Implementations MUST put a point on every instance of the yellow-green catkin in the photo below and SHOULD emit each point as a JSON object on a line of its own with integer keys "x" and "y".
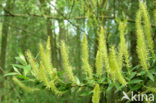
{"x": 151, "y": 89}
{"x": 99, "y": 63}
{"x": 85, "y": 63}
{"x": 147, "y": 26}
{"x": 48, "y": 55}
{"x": 96, "y": 94}
{"x": 31, "y": 60}
{"x": 141, "y": 46}
{"x": 116, "y": 72}
{"x": 54, "y": 88}
{"x": 23, "y": 86}
{"x": 44, "y": 77}
{"x": 123, "y": 51}
{"x": 66, "y": 65}
{"x": 99, "y": 56}
{"x": 104, "y": 49}
{"x": 46, "y": 60}
{"x": 155, "y": 12}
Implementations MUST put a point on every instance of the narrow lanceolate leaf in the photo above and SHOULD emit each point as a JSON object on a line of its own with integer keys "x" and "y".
{"x": 141, "y": 46}
{"x": 23, "y": 86}
{"x": 96, "y": 94}
{"x": 147, "y": 26}
{"x": 86, "y": 67}
{"x": 115, "y": 68}
{"x": 66, "y": 65}
{"x": 33, "y": 64}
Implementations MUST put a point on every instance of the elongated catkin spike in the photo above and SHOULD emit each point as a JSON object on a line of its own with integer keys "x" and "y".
{"x": 141, "y": 46}
{"x": 66, "y": 65}
{"x": 147, "y": 26}
{"x": 96, "y": 94}
{"x": 86, "y": 67}
{"x": 23, "y": 86}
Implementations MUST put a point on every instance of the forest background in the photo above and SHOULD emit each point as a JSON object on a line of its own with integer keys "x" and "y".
{"x": 26, "y": 23}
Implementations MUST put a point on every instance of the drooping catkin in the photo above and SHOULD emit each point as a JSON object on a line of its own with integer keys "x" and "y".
{"x": 147, "y": 26}
{"x": 96, "y": 94}
{"x": 31, "y": 60}
{"x": 141, "y": 46}
{"x": 66, "y": 65}
{"x": 115, "y": 68}
{"x": 23, "y": 86}
{"x": 85, "y": 63}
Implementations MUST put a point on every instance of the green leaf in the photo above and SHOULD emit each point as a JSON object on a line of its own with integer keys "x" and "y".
{"x": 10, "y": 74}
{"x": 86, "y": 93}
{"x": 136, "y": 87}
{"x": 110, "y": 87}
{"x": 132, "y": 75}
{"x": 18, "y": 66}
{"x": 135, "y": 81}
{"x": 27, "y": 69}
{"x": 22, "y": 77}
{"x": 150, "y": 75}
{"x": 77, "y": 80}
{"x": 21, "y": 59}
{"x": 119, "y": 88}
{"x": 16, "y": 70}
{"x": 141, "y": 73}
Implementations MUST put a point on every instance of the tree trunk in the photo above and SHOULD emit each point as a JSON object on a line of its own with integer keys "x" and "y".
{"x": 5, "y": 29}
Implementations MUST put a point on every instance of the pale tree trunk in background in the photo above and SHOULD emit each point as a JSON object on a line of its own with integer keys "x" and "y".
{"x": 62, "y": 37}
{"x": 5, "y": 30}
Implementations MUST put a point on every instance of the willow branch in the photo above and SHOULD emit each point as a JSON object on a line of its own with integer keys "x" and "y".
{"x": 59, "y": 18}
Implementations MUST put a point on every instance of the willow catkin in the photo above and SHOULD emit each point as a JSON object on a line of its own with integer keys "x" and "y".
{"x": 46, "y": 60}
{"x": 141, "y": 46}
{"x": 23, "y": 86}
{"x": 44, "y": 76}
{"x": 151, "y": 89}
{"x": 123, "y": 51}
{"x": 85, "y": 63}
{"x": 116, "y": 72}
{"x": 31, "y": 60}
{"x": 99, "y": 63}
{"x": 66, "y": 65}
{"x": 54, "y": 88}
{"x": 104, "y": 49}
{"x": 147, "y": 26}
{"x": 96, "y": 94}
